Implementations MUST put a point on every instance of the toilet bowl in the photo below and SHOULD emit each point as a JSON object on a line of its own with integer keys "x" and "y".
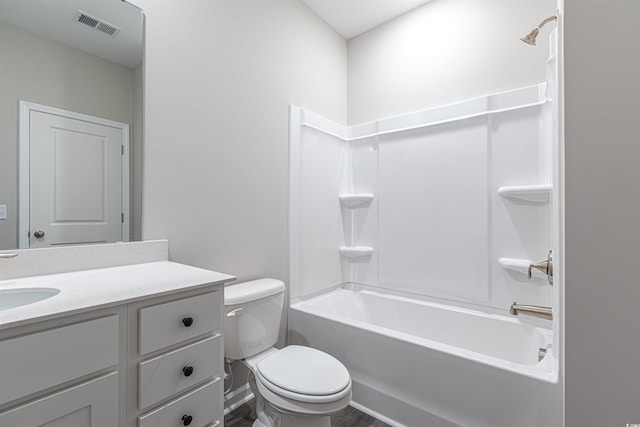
{"x": 295, "y": 386}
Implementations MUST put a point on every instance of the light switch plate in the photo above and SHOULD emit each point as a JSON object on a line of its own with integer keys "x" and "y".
{"x": 3, "y": 211}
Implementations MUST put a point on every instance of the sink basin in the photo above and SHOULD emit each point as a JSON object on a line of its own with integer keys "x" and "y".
{"x": 12, "y": 298}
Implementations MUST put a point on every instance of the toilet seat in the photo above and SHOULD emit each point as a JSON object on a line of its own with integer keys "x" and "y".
{"x": 286, "y": 394}
{"x": 304, "y": 374}
{"x": 299, "y": 407}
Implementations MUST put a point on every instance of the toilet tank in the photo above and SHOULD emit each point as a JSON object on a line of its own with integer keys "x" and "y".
{"x": 252, "y": 313}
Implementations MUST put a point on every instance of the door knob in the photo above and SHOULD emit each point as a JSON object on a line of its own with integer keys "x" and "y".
{"x": 38, "y": 234}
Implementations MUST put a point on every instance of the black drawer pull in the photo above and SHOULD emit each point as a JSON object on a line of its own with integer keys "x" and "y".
{"x": 187, "y": 371}
{"x": 187, "y": 321}
{"x": 186, "y": 420}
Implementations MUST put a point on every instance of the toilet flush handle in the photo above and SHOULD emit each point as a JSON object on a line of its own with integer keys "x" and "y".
{"x": 234, "y": 313}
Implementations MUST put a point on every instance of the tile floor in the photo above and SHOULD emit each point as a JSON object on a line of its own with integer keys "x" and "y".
{"x": 349, "y": 417}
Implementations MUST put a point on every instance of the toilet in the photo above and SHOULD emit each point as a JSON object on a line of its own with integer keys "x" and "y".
{"x": 295, "y": 386}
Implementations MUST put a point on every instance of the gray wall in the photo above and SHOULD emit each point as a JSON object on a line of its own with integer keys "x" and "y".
{"x": 39, "y": 70}
{"x": 217, "y": 91}
{"x": 443, "y": 52}
{"x": 136, "y": 154}
{"x": 602, "y": 74}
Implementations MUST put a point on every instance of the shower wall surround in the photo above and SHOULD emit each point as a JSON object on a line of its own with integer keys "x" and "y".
{"x": 442, "y": 208}
{"x": 451, "y": 203}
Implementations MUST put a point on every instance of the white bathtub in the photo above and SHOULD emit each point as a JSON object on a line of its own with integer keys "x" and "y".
{"x": 422, "y": 364}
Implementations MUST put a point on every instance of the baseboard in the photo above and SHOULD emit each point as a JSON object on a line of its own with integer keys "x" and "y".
{"x": 237, "y": 398}
{"x": 375, "y": 415}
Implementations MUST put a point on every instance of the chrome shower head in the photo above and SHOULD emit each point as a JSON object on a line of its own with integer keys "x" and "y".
{"x": 531, "y": 37}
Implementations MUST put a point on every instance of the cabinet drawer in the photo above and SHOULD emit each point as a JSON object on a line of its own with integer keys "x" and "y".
{"x": 44, "y": 359}
{"x": 203, "y": 405}
{"x": 166, "y": 375}
{"x": 166, "y": 324}
{"x": 93, "y": 403}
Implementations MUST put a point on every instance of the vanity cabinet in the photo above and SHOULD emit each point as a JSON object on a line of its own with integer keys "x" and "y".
{"x": 178, "y": 360}
{"x": 90, "y": 404}
{"x": 63, "y": 373}
{"x": 41, "y": 360}
{"x": 154, "y": 362}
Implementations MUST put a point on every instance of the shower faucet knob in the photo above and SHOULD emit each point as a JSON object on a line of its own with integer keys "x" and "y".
{"x": 545, "y": 266}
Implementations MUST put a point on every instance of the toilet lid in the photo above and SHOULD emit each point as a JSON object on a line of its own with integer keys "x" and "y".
{"x": 305, "y": 370}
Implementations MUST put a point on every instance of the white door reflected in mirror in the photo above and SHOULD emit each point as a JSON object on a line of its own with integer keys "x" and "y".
{"x": 78, "y": 177}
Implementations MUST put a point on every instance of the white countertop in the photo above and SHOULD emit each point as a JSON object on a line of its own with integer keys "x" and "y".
{"x": 87, "y": 290}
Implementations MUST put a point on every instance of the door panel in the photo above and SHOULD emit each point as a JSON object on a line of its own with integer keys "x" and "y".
{"x": 91, "y": 404}
{"x": 79, "y": 418}
{"x": 79, "y": 161}
{"x": 76, "y": 181}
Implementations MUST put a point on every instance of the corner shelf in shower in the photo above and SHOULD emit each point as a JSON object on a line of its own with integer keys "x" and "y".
{"x": 530, "y": 193}
{"x": 355, "y": 253}
{"x": 360, "y": 200}
{"x": 519, "y": 266}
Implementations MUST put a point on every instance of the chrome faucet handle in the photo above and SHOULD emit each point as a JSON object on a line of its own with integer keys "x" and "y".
{"x": 545, "y": 266}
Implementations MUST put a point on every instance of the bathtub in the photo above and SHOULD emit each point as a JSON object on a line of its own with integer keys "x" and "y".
{"x": 422, "y": 364}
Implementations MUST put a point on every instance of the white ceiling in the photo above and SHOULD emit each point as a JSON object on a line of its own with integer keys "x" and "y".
{"x": 53, "y": 19}
{"x": 352, "y": 17}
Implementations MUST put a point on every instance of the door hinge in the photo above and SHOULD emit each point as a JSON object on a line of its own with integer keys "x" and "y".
{"x": 122, "y": 218}
{"x": 122, "y": 150}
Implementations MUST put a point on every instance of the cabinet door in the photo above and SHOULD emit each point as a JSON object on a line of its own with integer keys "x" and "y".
{"x": 78, "y": 349}
{"x": 91, "y": 404}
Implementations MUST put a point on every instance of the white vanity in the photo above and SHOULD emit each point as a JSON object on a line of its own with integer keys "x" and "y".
{"x": 120, "y": 346}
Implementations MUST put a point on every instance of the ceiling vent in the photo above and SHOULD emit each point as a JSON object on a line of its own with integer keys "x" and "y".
{"x": 96, "y": 24}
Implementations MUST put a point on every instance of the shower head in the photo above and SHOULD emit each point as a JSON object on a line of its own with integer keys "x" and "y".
{"x": 531, "y": 37}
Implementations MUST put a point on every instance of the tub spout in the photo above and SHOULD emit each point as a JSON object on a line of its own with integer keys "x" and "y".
{"x": 6, "y": 256}
{"x": 531, "y": 310}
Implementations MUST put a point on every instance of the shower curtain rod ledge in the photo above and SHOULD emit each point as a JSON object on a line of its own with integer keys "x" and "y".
{"x": 436, "y": 123}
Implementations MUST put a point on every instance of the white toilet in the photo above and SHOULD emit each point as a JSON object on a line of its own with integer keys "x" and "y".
{"x": 294, "y": 387}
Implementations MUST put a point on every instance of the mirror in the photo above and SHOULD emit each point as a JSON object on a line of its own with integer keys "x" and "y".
{"x": 78, "y": 56}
